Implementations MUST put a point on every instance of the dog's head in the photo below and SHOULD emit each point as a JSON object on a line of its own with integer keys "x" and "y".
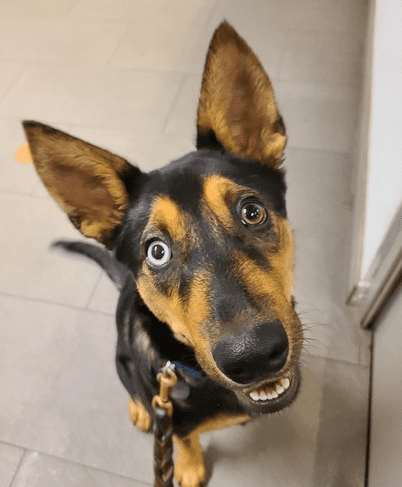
{"x": 206, "y": 237}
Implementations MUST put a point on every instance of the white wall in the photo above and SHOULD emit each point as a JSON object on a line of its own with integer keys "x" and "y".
{"x": 384, "y": 176}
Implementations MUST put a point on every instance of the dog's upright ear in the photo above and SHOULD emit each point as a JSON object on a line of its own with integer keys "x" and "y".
{"x": 86, "y": 181}
{"x": 237, "y": 109}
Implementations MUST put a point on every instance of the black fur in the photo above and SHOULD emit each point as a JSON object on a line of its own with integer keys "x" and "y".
{"x": 195, "y": 399}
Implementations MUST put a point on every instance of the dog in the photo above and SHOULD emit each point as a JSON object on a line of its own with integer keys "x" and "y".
{"x": 202, "y": 252}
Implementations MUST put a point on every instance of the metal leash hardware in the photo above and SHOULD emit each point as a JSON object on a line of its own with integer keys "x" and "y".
{"x": 163, "y": 444}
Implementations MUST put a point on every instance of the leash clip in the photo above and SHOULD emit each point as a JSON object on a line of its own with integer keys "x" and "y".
{"x": 167, "y": 380}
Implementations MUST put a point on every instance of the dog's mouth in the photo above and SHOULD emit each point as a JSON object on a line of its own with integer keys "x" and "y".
{"x": 271, "y": 396}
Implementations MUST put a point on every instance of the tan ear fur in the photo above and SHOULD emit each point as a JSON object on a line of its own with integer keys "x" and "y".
{"x": 237, "y": 102}
{"x": 83, "y": 179}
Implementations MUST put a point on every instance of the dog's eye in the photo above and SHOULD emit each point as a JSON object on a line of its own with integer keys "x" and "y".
{"x": 252, "y": 213}
{"x": 158, "y": 253}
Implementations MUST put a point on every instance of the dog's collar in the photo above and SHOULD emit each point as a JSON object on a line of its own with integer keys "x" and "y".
{"x": 193, "y": 372}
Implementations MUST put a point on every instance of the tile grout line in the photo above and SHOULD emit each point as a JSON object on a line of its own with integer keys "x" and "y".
{"x": 119, "y": 43}
{"x": 67, "y": 15}
{"x": 85, "y": 466}
{"x": 19, "y": 463}
{"x": 92, "y": 293}
{"x": 55, "y": 303}
{"x": 26, "y": 66}
{"x": 341, "y": 361}
{"x": 173, "y": 104}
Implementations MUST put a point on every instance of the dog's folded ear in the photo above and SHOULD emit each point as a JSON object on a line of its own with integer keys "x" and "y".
{"x": 86, "y": 181}
{"x": 237, "y": 108}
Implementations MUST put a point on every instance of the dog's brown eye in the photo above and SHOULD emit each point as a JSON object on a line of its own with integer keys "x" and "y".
{"x": 158, "y": 253}
{"x": 253, "y": 213}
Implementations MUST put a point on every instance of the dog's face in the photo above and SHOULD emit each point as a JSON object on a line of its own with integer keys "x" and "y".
{"x": 206, "y": 237}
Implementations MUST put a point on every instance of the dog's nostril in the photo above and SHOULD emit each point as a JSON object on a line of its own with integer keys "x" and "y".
{"x": 276, "y": 354}
{"x": 253, "y": 354}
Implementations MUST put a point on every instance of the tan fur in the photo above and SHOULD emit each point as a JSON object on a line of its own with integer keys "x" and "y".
{"x": 83, "y": 179}
{"x": 139, "y": 416}
{"x": 184, "y": 320}
{"x": 280, "y": 277}
{"x": 276, "y": 283}
{"x": 237, "y": 101}
{"x": 190, "y": 468}
{"x": 167, "y": 215}
{"x": 214, "y": 188}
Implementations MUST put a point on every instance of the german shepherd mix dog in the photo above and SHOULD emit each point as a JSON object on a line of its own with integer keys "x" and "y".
{"x": 202, "y": 252}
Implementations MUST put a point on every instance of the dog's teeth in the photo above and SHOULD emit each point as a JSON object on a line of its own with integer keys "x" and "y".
{"x": 268, "y": 393}
{"x": 272, "y": 395}
{"x": 254, "y": 396}
{"x": 279, "y": 389}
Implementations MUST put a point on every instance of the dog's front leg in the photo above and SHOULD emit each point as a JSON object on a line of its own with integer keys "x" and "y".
{"x": 190, "y": 468}
{"x": 139, "y": 416}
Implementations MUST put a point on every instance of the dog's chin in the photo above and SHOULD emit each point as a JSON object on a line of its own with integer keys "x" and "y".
{"x": 271, "y": 396}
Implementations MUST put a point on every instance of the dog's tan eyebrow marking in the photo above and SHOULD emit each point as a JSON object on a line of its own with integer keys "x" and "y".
{"x": 166, "y": 214}
{"x": 217, "y": 192}
{"x": 277, "y": 282}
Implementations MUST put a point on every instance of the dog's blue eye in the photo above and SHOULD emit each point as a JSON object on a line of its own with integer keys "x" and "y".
{"x": 158, "y": 253}
{"x": 252, "y": 213}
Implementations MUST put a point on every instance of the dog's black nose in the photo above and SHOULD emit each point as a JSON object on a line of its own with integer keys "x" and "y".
{"x": 254, "y": 354}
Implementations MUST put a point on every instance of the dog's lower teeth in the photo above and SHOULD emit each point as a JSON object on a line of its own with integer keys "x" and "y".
{"x": 268, "y": 393}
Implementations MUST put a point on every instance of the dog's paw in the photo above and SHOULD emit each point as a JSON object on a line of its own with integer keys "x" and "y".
{"x": 191, "y": 475}
{"x": 190, "y": 468}
{"x": 139, "y": 415}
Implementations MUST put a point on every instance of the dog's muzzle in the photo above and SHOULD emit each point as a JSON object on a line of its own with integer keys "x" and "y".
{"x": 254, "y": 354}
{"x": 252, "y": 359}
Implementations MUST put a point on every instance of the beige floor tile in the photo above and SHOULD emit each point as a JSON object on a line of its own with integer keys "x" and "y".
{"x": 60, "y": 391}
{"x": 15, "y": 177}
{"x": 147, "y": 150}
{"x": 174, "y": 12}
{"x": 314, "y": 15}
{"x": 27, "y": 267}
{"x": 341, "y": 441}
{"x": 55, "y": 41}
{"x": 322, "y": 57}
{"x": 105, "y": 296}
{"x": 319, "y": 195}
{"x": 318, "y": 116}
{"x": 331, "y": 327}
{"x": 10, "y": 72}
{"x": 10, "y": 459}
{"x": 183, "y": 116}
{"x": 40, "y": 470}
{"x": 43, "y": 9}
{"x": 185, "y": 49}
{"x": 118, "y": 99}
{"x": 154, "y": 41}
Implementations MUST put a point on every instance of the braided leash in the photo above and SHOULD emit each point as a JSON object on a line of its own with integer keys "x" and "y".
{"x": 163, "y": 444}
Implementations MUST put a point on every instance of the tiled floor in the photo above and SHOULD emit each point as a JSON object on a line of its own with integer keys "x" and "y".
{"x": 125, "y": 74}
